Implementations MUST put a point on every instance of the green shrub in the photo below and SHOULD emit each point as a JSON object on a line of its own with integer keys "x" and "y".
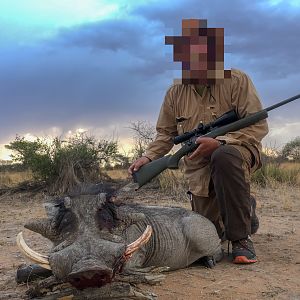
{"x": 292, "y": 149}
{"x": 62, "y": 164}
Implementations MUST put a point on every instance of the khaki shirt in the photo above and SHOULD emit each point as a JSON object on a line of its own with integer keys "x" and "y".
{"x": 182, "y": 102}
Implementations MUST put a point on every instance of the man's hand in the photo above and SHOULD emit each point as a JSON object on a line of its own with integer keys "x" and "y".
{"x": 206, "y": 147}
{"x": 137, "y": 164}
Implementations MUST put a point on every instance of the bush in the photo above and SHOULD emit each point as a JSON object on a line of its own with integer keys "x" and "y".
{"x": 292, "y": 149}
{"x": 62, "y": 164}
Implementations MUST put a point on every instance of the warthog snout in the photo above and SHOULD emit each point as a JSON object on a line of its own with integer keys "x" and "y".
{"x": 91, "y": 275}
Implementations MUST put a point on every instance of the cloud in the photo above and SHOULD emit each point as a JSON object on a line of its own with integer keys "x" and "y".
{"x": 103, "y": 74}
{"x": 136, "y": 44}
{"x": 262, "y": 36}
{"x": 100, "y": 73}
{"x": 281, "y": 132}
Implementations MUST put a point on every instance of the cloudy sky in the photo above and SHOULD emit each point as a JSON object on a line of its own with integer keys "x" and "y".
{"x": 99, "y": 65}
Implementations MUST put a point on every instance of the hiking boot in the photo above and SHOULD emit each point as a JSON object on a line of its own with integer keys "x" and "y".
{"x": 243, "y": 251}
{"x": 254, "y": 218}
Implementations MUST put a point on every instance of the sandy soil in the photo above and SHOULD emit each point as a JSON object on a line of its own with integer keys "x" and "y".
{"x": 275, "y": 276}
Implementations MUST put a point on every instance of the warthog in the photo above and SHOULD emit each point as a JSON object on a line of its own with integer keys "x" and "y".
{"x": 95, "y": 237}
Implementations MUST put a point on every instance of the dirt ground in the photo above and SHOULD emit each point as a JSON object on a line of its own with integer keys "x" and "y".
{"x": 275, "y": 276}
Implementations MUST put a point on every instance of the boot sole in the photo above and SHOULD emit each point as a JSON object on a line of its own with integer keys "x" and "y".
{"x": 244, "y": 260}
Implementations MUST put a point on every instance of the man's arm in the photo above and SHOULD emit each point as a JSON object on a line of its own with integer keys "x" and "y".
{"x": 246, "y": 101}
{"x": 166, "y": 128}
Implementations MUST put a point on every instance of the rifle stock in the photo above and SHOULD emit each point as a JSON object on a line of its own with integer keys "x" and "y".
{"x": 152, "y": 169}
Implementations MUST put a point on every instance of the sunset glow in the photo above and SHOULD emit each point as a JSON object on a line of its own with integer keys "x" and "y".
{"x": 70, "y": 67}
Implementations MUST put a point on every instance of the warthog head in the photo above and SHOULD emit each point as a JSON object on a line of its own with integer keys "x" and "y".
{"x": 89, "y": 237}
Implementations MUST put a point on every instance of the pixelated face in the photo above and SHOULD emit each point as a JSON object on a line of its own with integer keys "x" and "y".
{"x": 201, "y": 51}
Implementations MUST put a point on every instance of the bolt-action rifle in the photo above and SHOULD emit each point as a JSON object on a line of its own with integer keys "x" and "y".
{"x": 226, "y": 123}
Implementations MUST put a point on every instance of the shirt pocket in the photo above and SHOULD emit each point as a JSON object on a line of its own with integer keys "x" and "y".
{"x": 212, "y": 112}
{"x": 183, "y": 124}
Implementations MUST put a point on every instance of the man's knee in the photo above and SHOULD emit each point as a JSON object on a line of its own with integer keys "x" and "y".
{"x": 225, "y": 157}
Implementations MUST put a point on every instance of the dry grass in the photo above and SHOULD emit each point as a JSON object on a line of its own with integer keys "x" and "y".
{"x": 13, "y": 178}
{"x": 117, "y": 174}
{"x": 290, "y": 165}
{"x": 173, "y": 182}
{"x": 285, "y": 195}
{"x": 273, "y": 173}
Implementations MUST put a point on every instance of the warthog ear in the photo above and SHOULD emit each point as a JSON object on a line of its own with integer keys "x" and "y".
{"x": 47, "y": 227}
{"x": 53, "y": 207}
{"x": 101, "y": 199}
{"x": 67, "y": 202}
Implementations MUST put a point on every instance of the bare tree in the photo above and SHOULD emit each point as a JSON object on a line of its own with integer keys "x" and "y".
{"x": 143, "y": 134}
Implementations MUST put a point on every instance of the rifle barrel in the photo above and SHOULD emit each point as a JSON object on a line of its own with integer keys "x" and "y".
{"x": 282, "y": 103}
{"x": 152, "y": 169}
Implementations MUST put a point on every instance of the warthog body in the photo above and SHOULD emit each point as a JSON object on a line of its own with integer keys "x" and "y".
{"x": 90, "y": 234}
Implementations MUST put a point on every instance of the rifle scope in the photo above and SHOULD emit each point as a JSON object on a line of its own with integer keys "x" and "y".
{"x": 227, "y": 118}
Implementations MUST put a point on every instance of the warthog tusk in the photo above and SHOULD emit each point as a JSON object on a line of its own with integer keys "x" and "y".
{"x": 42, "y": 260}
{"x": 143, "y": 239}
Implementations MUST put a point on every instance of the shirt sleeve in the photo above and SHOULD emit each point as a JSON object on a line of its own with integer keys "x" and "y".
{"x": 245, "y": 101}
{"x": 166, "y": 128}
